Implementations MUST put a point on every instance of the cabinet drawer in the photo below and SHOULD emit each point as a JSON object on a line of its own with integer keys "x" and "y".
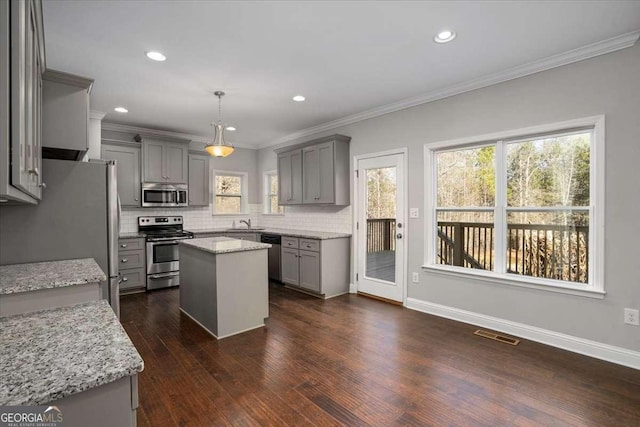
{"x": 289, "y": 242}
{"x": 130, "y": 244}
{"x": 133, "y": 279}
{"x": 130, "y": 259}
{"x": 310, "y": 245}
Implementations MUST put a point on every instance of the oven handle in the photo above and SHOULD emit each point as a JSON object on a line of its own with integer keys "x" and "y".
{"x": 163, "y": 276}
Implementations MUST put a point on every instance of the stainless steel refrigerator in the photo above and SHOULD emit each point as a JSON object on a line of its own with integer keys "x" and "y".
{"x": 78, "y": 217}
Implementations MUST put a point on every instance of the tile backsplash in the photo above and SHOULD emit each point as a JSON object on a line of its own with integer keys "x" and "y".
{"x": 336, "y": 219}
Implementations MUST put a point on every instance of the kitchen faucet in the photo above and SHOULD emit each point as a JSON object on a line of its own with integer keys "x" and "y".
{"x": 248, "y": 222}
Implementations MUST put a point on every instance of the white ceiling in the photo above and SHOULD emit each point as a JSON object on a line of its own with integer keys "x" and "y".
{"x": 345, "y": 57}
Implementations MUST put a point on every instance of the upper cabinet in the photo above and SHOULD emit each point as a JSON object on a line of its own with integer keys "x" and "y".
{"x": 316, "y": 172}
{"x": 127, "y": 159}
{"x": 65, "y": 120}
{"x": 22, "y": 61}
{"x": 289, "y": 174}
{"x": 165, "y": 162}
{"x": 198, "y": 179}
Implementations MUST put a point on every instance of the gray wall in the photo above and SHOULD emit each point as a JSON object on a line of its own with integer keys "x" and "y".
{"x": 609, "y": 85}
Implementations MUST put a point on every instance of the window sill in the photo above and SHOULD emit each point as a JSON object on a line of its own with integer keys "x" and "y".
{"x": 494, "y": 278}
{"x": 272, "y": 214}
{"x": 231, "y": 214}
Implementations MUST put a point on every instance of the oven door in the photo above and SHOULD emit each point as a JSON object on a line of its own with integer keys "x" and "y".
{"x": 162, "y": 257}
{"x": 157, "y": 197}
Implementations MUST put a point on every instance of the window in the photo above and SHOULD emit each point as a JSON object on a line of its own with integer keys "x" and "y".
{"x": 519, "y": 206}
{"x": 230, "y": 193}
{"x": 271, "y": 194}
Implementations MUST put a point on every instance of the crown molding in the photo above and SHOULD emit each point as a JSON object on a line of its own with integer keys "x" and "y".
{"x": 565, "y": 58}
{"x": 98, "y": 115}
{"x": 117, "y": 127}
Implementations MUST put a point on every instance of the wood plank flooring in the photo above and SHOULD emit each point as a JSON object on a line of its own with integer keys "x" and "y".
{"x": 355, "y": 361}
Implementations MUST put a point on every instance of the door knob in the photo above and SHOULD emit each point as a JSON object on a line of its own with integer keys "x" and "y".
{"x": 399, "y": 235}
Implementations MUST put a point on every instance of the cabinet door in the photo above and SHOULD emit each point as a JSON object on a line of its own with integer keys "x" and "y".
{"x": 128, "y": 170}
{"x": 198, "y": 180}
{"x": 36, "y": 157}
{"x": 290, "y": 268}
{"x": 153, "y": 156}
{"x": 176, "y": 169}
{"x": 310, "y": 271}
{"x": 284, "y": 179}
{"x": 326, "y": 175}
{"x": 310, "y": 175}
{"x": 23, "y": 35}
{"x": 296, "y": 177}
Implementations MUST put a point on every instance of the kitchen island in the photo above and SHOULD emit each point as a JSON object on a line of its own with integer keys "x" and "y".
{"x": 224, "y": 284}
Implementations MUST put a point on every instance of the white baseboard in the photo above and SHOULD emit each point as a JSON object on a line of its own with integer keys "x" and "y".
{"x": 353, "y": 289}
{"x": 618, "y": 355}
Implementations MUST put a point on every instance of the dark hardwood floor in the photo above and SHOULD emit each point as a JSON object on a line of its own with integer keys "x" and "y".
{"x": 356, "y": 361}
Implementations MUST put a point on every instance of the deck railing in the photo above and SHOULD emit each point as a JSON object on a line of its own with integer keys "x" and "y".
{"x": 381, "y": 235}
{"x": 548, "y": 251}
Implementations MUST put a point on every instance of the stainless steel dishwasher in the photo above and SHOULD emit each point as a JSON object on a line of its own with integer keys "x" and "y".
{"x": 275, "y": 241}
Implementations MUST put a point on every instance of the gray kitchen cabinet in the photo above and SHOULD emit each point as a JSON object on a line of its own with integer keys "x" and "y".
{"x": 65, "y": 115}
{"x": 127, "y": 159}
{"x": 322, "y": 175}
{"x": 318, "y": 174}
{"x": 318, "y": 267}
{"x": 165, "y": 162}
{"x": 22, "y": 63}
{"x": 289, "y": 174}
{"x": 198, "y": 179}
{"x": 290, "y": 269}
{"x": 309, "y": 265}
{"x": 132, "y": 265}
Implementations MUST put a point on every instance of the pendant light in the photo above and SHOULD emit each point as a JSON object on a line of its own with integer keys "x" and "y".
{"x": 219, "y": 147}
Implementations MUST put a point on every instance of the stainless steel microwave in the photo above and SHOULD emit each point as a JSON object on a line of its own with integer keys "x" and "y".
{"x": 164, "y": 195}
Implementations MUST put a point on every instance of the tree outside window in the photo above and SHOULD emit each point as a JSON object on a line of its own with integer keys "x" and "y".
{"x": 228, "y": 194}
{"x": 271, "y": 194}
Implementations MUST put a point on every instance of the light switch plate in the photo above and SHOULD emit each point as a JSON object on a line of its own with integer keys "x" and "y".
{"x": 414, "y": 213}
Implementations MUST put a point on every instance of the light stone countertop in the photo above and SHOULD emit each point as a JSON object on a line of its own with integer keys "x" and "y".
{"x": 131, "y": 235}
{"x": 305, "y": 234}
{"x": 16, "y": 278}
{"x": 51, "y": 354}
{"x": 223, "y": 245}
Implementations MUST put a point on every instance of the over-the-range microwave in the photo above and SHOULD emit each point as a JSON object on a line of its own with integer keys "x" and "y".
{"x": 164, "y": 195}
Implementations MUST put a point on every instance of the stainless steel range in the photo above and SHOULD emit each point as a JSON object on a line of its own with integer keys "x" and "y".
{"x": 163, "y": 258}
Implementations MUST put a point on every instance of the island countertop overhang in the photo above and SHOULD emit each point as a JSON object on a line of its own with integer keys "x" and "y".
{"x": 223, "y": 245}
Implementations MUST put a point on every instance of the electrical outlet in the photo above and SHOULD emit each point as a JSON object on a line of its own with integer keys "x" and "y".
{"x": 416, "y": 278}
{"x": 414, "y": 213}
{"x": 631, "y": 316}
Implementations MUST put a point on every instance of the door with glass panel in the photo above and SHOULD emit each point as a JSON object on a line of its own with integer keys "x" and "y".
{"x": 380, "y": 226}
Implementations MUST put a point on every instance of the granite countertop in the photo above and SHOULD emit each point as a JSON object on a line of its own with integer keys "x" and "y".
{"x": 16, "y": 278}
{"x": 223, "y": 245}
{"x": 305, "y": 234}
{"x": 51, "y": 354}
{"x": 131, "y": 235}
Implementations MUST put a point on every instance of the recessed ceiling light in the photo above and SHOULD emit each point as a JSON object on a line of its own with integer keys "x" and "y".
{"x": 121, "y": 110}
{"x": 230, "y": 128}
{"x": 156, "y": 56}
{"x": 299, "y": 98}
{"x": 444, "y": 36}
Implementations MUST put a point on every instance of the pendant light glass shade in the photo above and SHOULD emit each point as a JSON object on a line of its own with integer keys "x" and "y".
{"x": 219, "y": 147}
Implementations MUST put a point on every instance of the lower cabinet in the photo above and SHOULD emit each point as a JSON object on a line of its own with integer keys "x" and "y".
{"x": 132, "y": 264}
{"x": 320, "y": 267}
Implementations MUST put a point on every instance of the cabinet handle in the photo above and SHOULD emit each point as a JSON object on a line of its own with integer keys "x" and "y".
{"x": 34, "y": 171}
{"x": 136, "y": 199}
{"x": 308, "y": 246}
{"x": 42, "y": 185}
{"x": 124, "y": 245}
{"x": 125, "y": 279}
{"x": 124, "y": 260}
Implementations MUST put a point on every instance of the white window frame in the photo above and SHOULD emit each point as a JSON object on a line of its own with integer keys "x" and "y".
{"x": 266, "y": 195}
{"x": 595, "y": 286}
{"x": 244, "y": 182}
